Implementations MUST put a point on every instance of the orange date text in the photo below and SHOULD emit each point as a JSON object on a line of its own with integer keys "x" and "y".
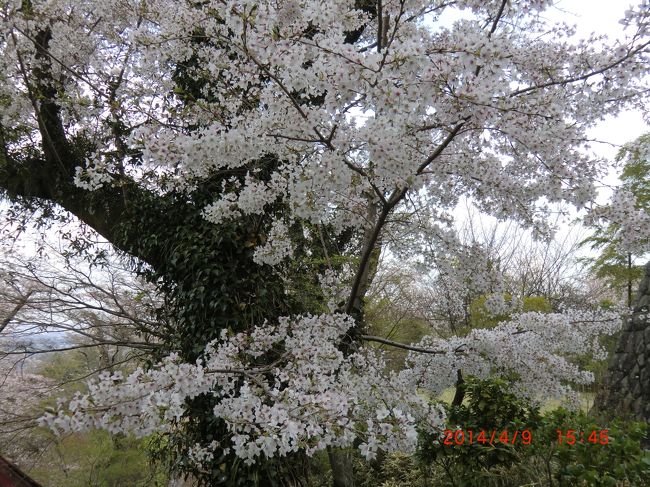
{"x": 485, "y": 437}
{"x": 572, "y": 437}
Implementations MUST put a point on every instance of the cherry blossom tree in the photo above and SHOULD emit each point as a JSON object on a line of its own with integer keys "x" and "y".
{"x": 270, "y": 131}
{"x": 58, "y": 304}
{"x": 57, "y": 309}
{"x": 490, "y": 259}
{"x": 619, "y": 249}
{"x": 20, "y": 403}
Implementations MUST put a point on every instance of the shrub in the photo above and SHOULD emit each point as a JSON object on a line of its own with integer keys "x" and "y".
{"x": 596, "y": 455}
{"x": 578, "y": 460}
{"x": 489, "y": 406}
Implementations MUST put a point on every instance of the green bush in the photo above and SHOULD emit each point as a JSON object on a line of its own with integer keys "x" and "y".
{"x": 593, "y": 454}
{"x": 489, "y": 406}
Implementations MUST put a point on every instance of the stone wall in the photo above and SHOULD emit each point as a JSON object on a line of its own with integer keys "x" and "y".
{"x": 627, "y": 386}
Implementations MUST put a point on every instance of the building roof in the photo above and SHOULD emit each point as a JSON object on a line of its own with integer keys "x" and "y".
{"x": 12, "y": 476}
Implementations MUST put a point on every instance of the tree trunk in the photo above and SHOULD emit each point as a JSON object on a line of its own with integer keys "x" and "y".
{"x": 459, "y": 395}
{"x": 627, "y": 385}
{"x": 342, "y": 468}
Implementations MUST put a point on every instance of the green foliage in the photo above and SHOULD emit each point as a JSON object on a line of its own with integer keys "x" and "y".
{"x": 395, "y": 470}
{"x": 537, "y": 303}
{"x": 95, "y": 459}
{"x": 618, "y": 268}
{"x": 636, "y": 171}
{"x": 613, "y": 266}
{"x": 65, "y": 366}
{"x": 481, "y": 318}
{"x": 590, "y": 463}
{"x": 385, "y": 321}
{"x": 607, "y": 304}
{"x": 489, "y": 406}
{"x": 206, "y": 271}
{"x": 409, "y": 331}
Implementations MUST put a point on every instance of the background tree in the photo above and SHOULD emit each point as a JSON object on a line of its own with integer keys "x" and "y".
{"x": 620, "y": 268}
{"x": 489, "y": 259}
{"x": 66, "y": 320}
{"x": 627, "y": 390}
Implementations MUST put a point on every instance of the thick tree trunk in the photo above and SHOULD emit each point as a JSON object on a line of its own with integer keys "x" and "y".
{"x": 138, "y": 221}
{"x": 206, "y": 271}
{"x": 627, "y": 385}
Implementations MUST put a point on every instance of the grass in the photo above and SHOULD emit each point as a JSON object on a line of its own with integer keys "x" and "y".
{"x": 586, "y": 400}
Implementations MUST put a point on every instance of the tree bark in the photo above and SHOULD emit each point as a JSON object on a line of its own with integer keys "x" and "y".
{"x": 629, "y": 279}
{"x": 459, "y": 395}
{"x": 206, "y": 271}
{"x": 342, "y": 467}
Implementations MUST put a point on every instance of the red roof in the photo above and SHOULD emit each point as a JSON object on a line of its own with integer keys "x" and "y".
{"x": 11, "y": 476}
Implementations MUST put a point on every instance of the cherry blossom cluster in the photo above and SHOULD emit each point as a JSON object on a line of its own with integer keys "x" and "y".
{"x": 536, "y": 348}
{"x": 463, "y": 272}
{"x": 288, "y": 387}
{"x": 501, "y": 102}
{"x": 310, "y": 396}
{"x": 333, "y": 288}
{"x": 21, "y": 398}
{"x": 94, "y": 175}
{"x": 277, "y": 247}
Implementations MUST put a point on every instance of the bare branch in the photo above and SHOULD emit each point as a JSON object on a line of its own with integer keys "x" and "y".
{"x": 371, "y": 338}
{"x": 21, "y": 303}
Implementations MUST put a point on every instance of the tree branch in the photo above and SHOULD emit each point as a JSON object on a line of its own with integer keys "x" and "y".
{"x": 371, "y": 338}
{"x": 12, "y": 314}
